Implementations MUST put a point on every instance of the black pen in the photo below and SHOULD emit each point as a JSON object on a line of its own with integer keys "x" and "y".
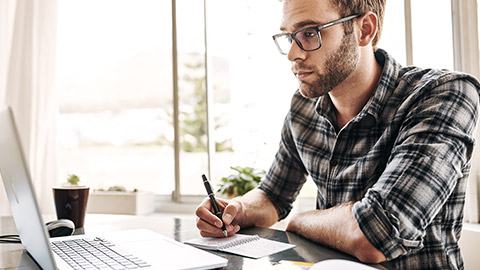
{"x": 214, "y": 203}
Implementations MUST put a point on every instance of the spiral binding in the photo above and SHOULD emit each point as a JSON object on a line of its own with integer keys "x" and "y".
{"x": 240, "y": 242}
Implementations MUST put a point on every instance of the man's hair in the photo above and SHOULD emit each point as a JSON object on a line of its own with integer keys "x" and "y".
{"x": 350, "y": 7}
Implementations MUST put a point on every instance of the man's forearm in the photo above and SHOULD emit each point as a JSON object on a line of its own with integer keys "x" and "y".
{"x": 257, "y": 210}
{"x": 337, "y": 228}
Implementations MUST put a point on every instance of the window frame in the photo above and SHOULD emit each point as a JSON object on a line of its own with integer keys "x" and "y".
{"x": 467, "y": 59}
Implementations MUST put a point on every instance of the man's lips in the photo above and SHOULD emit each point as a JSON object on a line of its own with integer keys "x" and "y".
{"x": 302, "y": 74}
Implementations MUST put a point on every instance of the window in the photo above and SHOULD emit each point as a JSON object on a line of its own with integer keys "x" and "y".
{"x": 251, "y": 86}
{"x": 114, "y": 85}
{"x": 432, "y": 34}
{"x": 429, "y": 38}
{"x": 392, "y": 38}
{"x": 252, "y": 83}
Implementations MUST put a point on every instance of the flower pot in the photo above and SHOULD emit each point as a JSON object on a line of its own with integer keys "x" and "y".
{"x": 115, "y": 202}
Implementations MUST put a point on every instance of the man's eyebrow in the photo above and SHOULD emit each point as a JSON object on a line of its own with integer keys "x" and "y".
{"x": 301, "y": 25}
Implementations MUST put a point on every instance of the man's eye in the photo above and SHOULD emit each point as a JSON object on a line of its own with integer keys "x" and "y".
{"x": 309, "y": 34}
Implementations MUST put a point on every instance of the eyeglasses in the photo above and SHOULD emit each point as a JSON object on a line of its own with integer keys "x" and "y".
{"x": 308, "y": 39}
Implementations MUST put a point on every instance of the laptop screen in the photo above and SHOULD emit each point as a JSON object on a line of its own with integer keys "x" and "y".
{"x": 21, "y": 195}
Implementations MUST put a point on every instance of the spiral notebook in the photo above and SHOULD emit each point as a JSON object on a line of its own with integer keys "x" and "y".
{"x": 252, "y": 246}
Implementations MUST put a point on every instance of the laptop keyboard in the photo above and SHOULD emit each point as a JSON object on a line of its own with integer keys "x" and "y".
{"x": 96, "y": 253}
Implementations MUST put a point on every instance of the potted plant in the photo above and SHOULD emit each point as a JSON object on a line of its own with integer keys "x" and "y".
{"x": 118, "y": 200}
{"x": 242, "y": 181}
{"x": 73, "y": 179}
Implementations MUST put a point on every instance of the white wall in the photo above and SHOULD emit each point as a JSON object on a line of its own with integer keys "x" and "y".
{"x": 470, "y": 245}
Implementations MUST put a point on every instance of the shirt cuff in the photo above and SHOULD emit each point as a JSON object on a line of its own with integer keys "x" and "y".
{"x": 380, "y": 228}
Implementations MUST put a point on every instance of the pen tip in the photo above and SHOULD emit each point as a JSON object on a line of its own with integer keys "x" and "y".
{"x": 225, "y": 233}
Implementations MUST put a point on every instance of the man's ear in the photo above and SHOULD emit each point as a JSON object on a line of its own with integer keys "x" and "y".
{"x": 367, "y": 28}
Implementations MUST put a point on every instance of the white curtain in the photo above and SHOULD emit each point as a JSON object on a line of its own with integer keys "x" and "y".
{"x": 28, "y": 38}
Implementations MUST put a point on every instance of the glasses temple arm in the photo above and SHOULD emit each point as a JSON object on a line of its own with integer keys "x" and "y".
{"x": 339, "y": 21}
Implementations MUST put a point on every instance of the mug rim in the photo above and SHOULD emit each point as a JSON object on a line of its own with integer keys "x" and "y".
{"x": 70, "y": 187}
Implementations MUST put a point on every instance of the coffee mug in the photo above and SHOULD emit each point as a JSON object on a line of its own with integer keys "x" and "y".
{"x": 71, "y": 203}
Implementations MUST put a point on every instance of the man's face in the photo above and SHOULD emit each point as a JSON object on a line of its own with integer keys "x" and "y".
{"x": 319, "y": 71}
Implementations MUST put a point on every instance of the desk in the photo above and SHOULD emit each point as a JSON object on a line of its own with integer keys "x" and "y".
{"x": 12, "y": 256}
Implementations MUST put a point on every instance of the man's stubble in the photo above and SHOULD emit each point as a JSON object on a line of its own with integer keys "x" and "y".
{"x": 338, "y": 67}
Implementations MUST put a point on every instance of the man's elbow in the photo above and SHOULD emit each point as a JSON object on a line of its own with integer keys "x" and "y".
{"x": 373, "y": 256}
{"x": 367, "y": 253}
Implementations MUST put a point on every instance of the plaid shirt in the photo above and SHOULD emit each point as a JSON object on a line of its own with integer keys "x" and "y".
{"x": 404, "y": 160}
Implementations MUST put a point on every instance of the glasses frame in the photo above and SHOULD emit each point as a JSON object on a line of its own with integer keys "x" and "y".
{"x": 292, "y": 36}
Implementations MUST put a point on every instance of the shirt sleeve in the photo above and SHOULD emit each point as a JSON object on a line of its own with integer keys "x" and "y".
{"x": 287, "y": 174}
{"x": 429, "y": 156}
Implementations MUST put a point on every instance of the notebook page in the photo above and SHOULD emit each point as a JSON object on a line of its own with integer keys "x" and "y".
{"x": 251, "y": 246}
{"x": 258, "y": 248}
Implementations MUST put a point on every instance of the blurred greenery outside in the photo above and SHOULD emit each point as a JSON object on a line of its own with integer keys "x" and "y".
{"x": 193, "y": 124}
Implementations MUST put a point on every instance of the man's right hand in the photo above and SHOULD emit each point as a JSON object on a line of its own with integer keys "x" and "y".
{"x": 251, "y": 209}
{"x": 210, "y": 225}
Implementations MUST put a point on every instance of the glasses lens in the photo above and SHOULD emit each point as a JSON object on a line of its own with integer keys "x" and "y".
{"x": 309, "y": 38}
{"x": 284, "y": 42}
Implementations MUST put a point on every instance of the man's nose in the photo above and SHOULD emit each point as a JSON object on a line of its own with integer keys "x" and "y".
{"x": 296, "y": 53}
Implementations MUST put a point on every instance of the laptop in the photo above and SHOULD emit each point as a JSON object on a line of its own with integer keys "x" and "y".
{"x": 136, "y": 249}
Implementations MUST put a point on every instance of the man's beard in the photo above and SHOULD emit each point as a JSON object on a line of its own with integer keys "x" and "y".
{"x": 338, "y": 67}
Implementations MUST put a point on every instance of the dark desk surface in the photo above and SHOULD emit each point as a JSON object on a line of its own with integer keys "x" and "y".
{"x": 12, "y": 256}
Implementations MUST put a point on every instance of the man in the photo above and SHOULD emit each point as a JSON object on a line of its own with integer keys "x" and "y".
{"x": 388, "y": 147}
